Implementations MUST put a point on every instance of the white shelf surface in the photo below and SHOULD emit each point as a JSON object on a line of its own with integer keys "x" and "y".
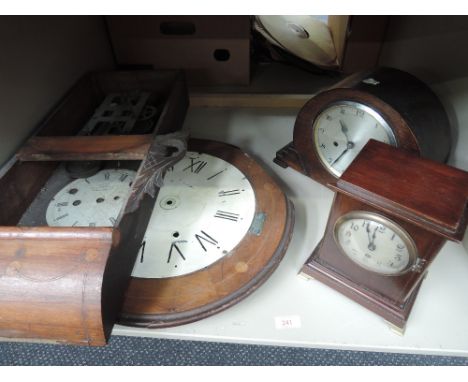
{"x": 437, "y": 325}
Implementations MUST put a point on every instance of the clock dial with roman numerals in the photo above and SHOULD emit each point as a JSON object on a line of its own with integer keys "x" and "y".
{"x": 219, "y": 228}
{"x": 91, "y": 202}
{"x": 204, "y": 210}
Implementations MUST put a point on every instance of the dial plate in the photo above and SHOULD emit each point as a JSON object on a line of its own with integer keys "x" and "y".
{"x": 91, "y": 202}
{"x": 343, "y": 129}
{"x": 375, "y": 243}
{"x": 203, "y": 211}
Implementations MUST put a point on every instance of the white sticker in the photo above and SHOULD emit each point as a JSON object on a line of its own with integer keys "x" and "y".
{"x": 288, "y": 322}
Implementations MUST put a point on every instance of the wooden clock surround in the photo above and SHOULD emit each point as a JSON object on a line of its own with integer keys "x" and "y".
{"x": 414, "y": 113}
{"x": 427, "y": 199}
{"x": 164, "y": 302}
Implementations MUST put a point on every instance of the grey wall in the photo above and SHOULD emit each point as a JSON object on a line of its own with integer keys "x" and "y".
{"x": 435, "y": 49}
{"x": 40, "y": 59}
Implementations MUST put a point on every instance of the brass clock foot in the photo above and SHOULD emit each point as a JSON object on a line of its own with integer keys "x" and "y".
{"x": 396, "y": 329}
{"x": 305, "y": 276}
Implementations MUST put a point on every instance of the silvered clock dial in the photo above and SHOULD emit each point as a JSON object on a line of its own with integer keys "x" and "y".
{"x": 204, "y": 210}
{"x": 91, "y": 202}
{"x": 375, "y": 243}
{"x": 220, "y": 227}
{"x": 342, "y": 130}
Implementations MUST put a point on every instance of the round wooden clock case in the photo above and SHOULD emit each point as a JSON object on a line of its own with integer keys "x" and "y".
{"x": 220, "y": 227}
{"x": 385, "y": 104}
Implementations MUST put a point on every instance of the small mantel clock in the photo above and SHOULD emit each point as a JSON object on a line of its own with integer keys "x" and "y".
{"x": 392, "y": 213}
{"x": 385, "y": 104}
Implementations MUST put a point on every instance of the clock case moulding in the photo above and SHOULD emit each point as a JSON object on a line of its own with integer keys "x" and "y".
{"x": 427, "y": 199}
{"x": 170, "y": 301}
{"x": 66, "y": 284}
{"x": 412, "y": 110}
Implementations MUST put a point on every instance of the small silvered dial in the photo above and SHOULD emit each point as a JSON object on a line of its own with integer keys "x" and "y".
{"x": 343, "y": 129}
{"x": 202, "y": 212}
{"x": 91, "y": 202}
{"x": 375, "y": 243}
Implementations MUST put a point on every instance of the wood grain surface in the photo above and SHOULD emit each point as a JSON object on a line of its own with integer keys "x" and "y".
{"x": 426, "y": 199}
{"x": 426, "y": 193}
{"x": 183, "y": 299}
{"x": 50, "y": 284}
{"x": 114, "y": 147}
{"x": 66, "y": 284}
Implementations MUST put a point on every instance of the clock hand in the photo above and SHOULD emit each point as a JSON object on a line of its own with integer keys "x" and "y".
{"x": 373, "y": 238}
{"x": 344, "y": 130}
{"x": 339, "y": 156}
{"x": 371, "y": 245}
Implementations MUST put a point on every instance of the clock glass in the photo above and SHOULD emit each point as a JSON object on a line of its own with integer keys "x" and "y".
{"x": 204, "y": 209}
{"x": 375, "y": 243}
{"x": 342, "y": 130}
{"x": 95, "y": 201}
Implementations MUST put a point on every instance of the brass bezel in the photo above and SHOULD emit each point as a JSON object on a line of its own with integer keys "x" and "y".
{"x": 390, "y": 224}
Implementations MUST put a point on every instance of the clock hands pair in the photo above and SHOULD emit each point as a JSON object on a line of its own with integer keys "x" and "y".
{"x": 371, "y": 245}
{"x": 349, "y": 143}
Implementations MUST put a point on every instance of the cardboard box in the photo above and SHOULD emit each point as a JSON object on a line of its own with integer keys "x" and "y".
{"x": 358, "y": 40}
{"x": 213, "y": 50}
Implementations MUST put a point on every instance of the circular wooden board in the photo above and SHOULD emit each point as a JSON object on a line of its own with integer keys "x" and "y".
{"x": 164, "y": 302}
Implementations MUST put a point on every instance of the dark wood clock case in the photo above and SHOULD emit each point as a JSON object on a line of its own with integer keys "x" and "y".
{"x": 427, "y": 199}
{"x": 410, "y": 107}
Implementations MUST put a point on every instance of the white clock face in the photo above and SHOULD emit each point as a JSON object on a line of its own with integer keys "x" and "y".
{"x": 91, "y": 202}
{"x": 343, "y": 129}
{"x": 375, "y": 243}
{"x": 203, "y": 211}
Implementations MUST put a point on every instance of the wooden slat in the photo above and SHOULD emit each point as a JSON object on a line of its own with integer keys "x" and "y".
{"x": 116, "y": 147}
{"x": 295, "y": 101}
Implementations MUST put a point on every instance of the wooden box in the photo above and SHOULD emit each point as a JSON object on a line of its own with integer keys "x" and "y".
{"x": 66, "y": 284}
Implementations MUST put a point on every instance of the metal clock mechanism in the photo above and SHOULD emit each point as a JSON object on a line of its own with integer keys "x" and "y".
{"x": 91, "y": 193}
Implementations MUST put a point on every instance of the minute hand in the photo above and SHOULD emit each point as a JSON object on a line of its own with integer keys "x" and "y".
{"x": 339, "y": 156}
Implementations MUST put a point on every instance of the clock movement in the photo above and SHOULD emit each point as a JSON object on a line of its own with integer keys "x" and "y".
{"x": 220, "y": 227}
{"x": 392, "y": 213}
{"x": 76, "y": 200}
{"x": 384, "y": 104}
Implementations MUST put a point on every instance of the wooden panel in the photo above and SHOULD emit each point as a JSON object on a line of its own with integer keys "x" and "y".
{"x": 363, "y": 42}
{"x": 51, "y": 283}
{"x": 249, "y": 100}
{"x": 427, "y": 193}
{"x": 134, "y": 217}
{"x": 113, "y": 147}
{"x": 139, "y": 40}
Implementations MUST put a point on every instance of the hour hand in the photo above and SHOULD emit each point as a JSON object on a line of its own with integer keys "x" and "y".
{"x": 371, "y": 245}
{"x": 344, "y": 130}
